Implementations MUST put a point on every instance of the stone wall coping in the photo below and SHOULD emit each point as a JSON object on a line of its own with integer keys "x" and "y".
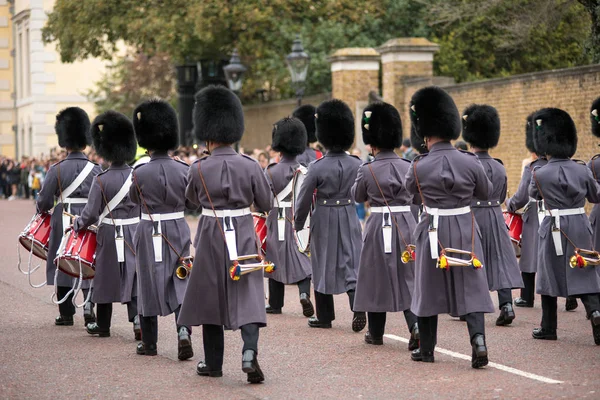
{"x": 305, "y": 100}
{"x": 354, "y": 54}
{"x": 532, "y": 76}
{"x": 408, "y": 45}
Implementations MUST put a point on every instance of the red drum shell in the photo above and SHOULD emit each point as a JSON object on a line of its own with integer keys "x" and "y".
{"x": 37, "y": 235}
{"x": 515, "y": 226}
{"x": 79, "y": 249}
{"x": 260, "y": 227}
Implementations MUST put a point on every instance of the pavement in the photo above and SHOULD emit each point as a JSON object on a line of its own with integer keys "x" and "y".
{"x": 39, "y": 360}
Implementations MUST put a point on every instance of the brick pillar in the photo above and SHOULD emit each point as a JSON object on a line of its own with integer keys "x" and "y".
{"x": 402, "y": 58}
{"x": 355, "y": 72}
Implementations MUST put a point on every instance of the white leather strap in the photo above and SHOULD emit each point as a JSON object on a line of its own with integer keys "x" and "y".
{"x": 78, "y": 181}
{"x": 394, "y": 209}
{"x": 285, "y": 192}
{"x": 225, "y": 213}
{"x": 435, "y": 214}
{"x": 115, "y": 201}
{"x": 447, "y": 212}
{"x": 163, "y": 217}
{"x": 122, "y": 221}
{"x": 75, "y": 200}
{"x": 564, "y": 212}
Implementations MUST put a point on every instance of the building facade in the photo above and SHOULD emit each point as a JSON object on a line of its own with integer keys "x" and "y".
{"x": 34, "y": 84}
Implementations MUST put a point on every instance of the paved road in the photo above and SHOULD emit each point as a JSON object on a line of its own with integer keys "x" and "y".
{"x": 41, "y": 361}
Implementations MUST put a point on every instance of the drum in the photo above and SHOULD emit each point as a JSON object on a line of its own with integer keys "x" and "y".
{"x": 77, "y": 254}
{"x": 260, "y": 227}
{"x": 36, "y": 236}
{"x": 514, "y": 222}
{"x": 302, "y": 235}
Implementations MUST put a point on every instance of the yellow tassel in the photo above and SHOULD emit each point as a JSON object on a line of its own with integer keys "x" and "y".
{"x": 476, "y": 263}
{"x": 442, "y": 262}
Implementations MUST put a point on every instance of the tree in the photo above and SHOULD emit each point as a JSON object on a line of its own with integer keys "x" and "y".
{"x": 593, "y": 43}
{"x": 504, "y": 37}
{"x": 132, "y": 79}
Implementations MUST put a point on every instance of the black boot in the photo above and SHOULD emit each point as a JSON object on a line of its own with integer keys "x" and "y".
{"x": 88, "y": 313}
{"x": 544, "y": 334}
{"x": 413, "y": 342}
{"x": 204, "y": 370}
{"x": 137, "y": 330}
{"x": 570, "y": 303}
{"x": 94, "y": 329}
{"x": 146, "y": 349}
{"x": 479, "y": 357}
{"x": 507, "y": 315}
{"x": 426, "y": 356}
{"x": 359, "y": 321}
{"x": 307, "y": 307}
{"x": 378, "y": 341}
{"x": 184, "y": 344}
{"x": 250, "y": 366}
{"x": 314, "y": 322}
{"x": 520, "y": 302}
{"x": 271, "y": 310}
{"x": 63, "y": 320}
{"x": 595, "y": 318}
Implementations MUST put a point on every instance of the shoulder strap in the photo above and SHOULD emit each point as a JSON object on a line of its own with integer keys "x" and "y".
{"x": 285, "y": 192}
{"x": 78, "y": 181}
{"x": 115, "y": 201}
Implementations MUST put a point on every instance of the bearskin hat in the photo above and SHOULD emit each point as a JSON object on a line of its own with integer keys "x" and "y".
{"x": 289, "y": 136}
{"x": 218, "y": 115}
{"x": 555, "y": 133}
{"x": 434, "y": 114}
{"x": 156, "y": 126}
{"x": 306, "y": 114}
{"x": 381, "y": 126}
{"x": 595, "y": 117}
{"x": 529, "y": 142}
{"x": 113, "y": 137}
{"x": 335, "y": 125}
{"x": 73, "y": 128}
{"x": 481, "y": 126}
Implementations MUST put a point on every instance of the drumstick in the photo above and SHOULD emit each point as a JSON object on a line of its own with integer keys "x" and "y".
{"x": 75, "y": 216}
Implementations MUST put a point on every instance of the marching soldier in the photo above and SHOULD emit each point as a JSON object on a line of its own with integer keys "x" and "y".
{"x": 448, "y": 274}
{"x": 306, "y": 114}
{"x": 225, "y": 184}
{"x": 386, "y": 262}
{"x": 563, "y": 185}
{"x": 531, "y": 217}
{"x": 594, "y": 166}
{"x": 162, "y": 239}
{"x": 293, "y": 266}
{"x": 335, "y": 242}
{"x": 69, "y": 182}
{"x": 481, "y": 130}
{"x": 117, "y": 218}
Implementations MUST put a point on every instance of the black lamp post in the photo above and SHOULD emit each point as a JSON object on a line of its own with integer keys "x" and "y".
{"x": 234, "y": 72}
{"x": 187, "y": 76}
{"x": 297, "y": 62}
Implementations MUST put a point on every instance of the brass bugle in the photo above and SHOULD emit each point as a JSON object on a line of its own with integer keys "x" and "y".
{"x": 237, "y": 270}
{"x": 408, "y": 254}
{"x": 184, "y": 267}
{"x": 583, "y": 258}
{"x": 455, "y": 261}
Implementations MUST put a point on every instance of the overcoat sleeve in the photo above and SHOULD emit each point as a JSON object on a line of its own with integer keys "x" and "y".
{"x": 45, "y": 200}
{"x": 359, "y": 189}
{"x": 93, "y": 208}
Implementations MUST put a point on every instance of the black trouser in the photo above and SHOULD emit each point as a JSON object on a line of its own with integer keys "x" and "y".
{"x": 591, "y": 302}
{"x": 504, "y": 297}
{"x": 277, "y": 291}
{"x": 132, "y": 309}
{"x": 325, "y": 308}
{"x": 528, "y": 291}
{"x": 149, "y": 327}
{"x": 67, "y": 308}
{"x": 214, "y": 343}
{"x": 377, "y": 322}
{"x": 104, "y": 315}
{"x": 428, "y": 329}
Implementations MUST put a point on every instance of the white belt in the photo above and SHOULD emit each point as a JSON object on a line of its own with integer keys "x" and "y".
{"x": 283, "y": 204}
{"x": 230, "y": 239}
{"x": 75, "y": 200}
{"x": 226, "y": 213}
{"x": 394, "y": 209}
{"x": 435, "y": 214}
{"x": 121, "y": 221}
{"x": 163, "y": 217}
{"x": 157, "y": 230}
{"x": 119, "y": 234}
{"x": 556, "y": 233}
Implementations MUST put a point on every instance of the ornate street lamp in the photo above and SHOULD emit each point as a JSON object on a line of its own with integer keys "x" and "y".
{"x": 297, "y": 62}
{"x": 234, "y": 72}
